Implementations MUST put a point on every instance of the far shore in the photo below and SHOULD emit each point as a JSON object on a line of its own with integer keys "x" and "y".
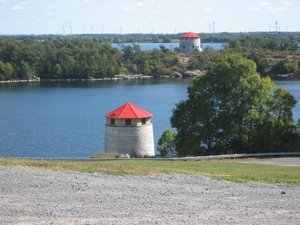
{"x": 117, "y": 77}
{"x": 129, "y": 76}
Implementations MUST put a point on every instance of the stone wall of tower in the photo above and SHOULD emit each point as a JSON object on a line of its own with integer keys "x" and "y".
{"x": 128, "y": 139}
{"x": 188, "y": 45}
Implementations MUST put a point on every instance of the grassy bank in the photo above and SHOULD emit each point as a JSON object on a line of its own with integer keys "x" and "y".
{"x": 217, "y": 169}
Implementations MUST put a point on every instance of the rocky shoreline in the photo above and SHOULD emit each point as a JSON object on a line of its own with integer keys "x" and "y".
{"x": 44, "y": 197}
{"x": 116, "y": 77}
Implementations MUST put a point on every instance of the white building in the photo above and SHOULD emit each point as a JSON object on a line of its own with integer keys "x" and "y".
{"x": 129, "y": 130}
{"x": 190, "y": 42}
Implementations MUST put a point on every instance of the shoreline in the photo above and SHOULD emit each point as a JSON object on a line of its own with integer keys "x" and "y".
{"x": 132, "y": 76}
{"x": 117, "y": 77}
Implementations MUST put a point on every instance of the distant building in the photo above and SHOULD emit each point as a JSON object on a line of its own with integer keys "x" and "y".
{"x": 190, "y": 42}
{"x": 129, "y": 130}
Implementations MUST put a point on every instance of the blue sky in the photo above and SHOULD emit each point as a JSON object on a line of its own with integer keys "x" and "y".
{"x": 146, "y": 16}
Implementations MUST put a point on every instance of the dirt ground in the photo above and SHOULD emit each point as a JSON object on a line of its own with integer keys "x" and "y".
{"x": 285, "y": 161}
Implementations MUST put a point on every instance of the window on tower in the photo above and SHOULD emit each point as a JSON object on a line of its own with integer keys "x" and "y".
{"x": 128, "y": 122}
{"x": 112, "y": 121}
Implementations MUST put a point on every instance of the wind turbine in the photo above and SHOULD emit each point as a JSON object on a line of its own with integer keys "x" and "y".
{"x": 71, "y": 29}
{"x": 276, "y": 23}
{"x": 209, "y": 24}
{"x": 64, "y": 28}
{"x": 214, "y": 26}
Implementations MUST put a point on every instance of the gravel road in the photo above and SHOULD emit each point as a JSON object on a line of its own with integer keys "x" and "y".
{"x": 43, "y": 197}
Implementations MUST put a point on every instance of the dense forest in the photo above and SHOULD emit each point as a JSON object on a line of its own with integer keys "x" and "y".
{"x": 91, "y": 56}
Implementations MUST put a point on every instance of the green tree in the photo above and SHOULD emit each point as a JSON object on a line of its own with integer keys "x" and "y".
{"x": 145, "y": 68}
{"x": 234, "y": 43}
{"x": 57, "y": 71}
{"x": 226, "y": 110}
{"x": 9, "y": 71}
{"x": 2, "y": 70}
{"x": 284, "y": 127}
{"x": 285, "y": 66}
{"x": 135, "y": 69}
{"x": 261, "y": 64}
{"x": 166, "y": 144}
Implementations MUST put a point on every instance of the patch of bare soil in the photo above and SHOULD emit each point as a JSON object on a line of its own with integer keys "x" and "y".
{"x": 284, "y": 161}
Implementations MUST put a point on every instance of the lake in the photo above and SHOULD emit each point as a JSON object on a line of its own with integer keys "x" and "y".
{"x": 66, "y": 119}
{"x": 170, "y": 46}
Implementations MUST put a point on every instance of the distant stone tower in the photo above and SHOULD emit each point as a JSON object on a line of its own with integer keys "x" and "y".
{"x": 190, "y": 42}
{"x": 129, "y": 129}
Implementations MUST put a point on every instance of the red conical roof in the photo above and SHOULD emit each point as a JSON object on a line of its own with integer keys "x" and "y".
{"x": 128, "y": 111}
{"x": 190, "y": 35}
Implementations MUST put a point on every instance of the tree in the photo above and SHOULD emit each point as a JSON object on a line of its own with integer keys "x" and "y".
{"x": 234, "y": 43}
{"x": 2, "y": 70}
{"x": 227, "y": 109}
{"x": 166, "y": 143}
{"x": 9, "y": 71}
{"x": 57, "y": 71}
{"x": 285, "y": 66}
{"x": 261, "y": 64}
{"x": 145, "y": 69}
{"x": 284, "y": 127}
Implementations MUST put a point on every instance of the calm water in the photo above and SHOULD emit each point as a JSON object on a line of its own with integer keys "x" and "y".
{"x": 170, "y": 46}
{"x": 66, "y": 119}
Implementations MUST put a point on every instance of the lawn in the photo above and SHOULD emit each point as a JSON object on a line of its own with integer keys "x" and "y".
{"x": 218, "y": 169}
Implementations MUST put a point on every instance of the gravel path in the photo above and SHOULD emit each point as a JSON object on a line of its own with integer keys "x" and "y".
{"x": 44, "y": 197}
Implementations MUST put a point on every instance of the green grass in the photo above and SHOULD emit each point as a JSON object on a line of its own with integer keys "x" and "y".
{"x": 103, "y": 155}
{"x": 218, "y": 169}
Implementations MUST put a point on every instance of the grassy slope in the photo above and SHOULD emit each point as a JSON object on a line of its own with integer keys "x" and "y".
{"x": 218, "y": 169}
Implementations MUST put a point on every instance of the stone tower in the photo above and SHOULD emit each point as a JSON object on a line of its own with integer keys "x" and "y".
{"x": 190, "y": 42}
{"x": 128, "y": 129}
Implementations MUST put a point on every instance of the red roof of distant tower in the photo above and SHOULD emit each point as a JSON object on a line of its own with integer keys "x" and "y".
{"x": 190, "y": 35}
{"x": 128, "y": 111}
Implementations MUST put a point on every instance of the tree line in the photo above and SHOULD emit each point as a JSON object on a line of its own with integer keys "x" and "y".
{"x": 223, "y": 37}
{"x": 271, "y": 55}
{"x": 79, "y": 59}
{"x": 61, "y": 57}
